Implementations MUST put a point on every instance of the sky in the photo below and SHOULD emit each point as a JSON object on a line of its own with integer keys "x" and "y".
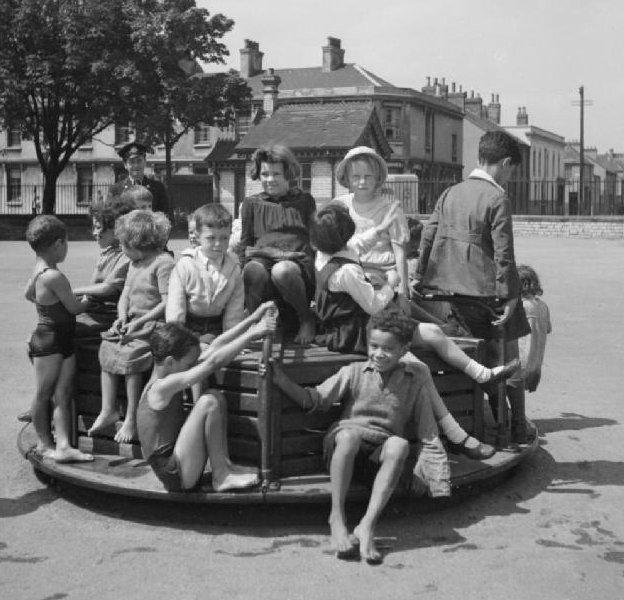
{"x": 533, "y": 53}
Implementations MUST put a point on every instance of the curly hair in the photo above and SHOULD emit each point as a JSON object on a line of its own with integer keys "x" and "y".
{"x": 373, "y": 165}
{"x": 137, "y": 194}
{"x": 394, "y": 321}
{"x": 211, "y": 215}
{"x": 331, "y": 228}
{"x": 143, "y": 230}
{"x": 276, "y": 154}
{"x": 496, "y": 145}
{"x": 106, "y": 212}
{"x": 171, "y": 339}
{"x": 529, "y": 281}
{"x": 45, "y": 230}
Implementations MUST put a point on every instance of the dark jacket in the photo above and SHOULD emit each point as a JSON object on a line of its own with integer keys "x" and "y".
{"x": 467, "y": 245}
{"x": 160, "y": 201}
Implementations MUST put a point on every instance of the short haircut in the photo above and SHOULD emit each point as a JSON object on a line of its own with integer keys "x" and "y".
{"x": 415, "y": 234}
{"x": 276, "y": 154}
{"x": 43, "y": 231}
{"x": 143, "y": 230}
{"x": 494, "y": 146}
{"x": 172, "y": 339}
{"x": 136, "y": 194}
{"x": 394, "y": 321}
{"x": 529, "y": 281}
{"x": 332, "y": 227}
{"x": 372, "y": 164}
{"x": 106, "y": 212}
{"x": 211, "y": 215}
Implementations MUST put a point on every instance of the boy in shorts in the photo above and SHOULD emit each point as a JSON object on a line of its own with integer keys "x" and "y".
{"x": 386, "y": 402}
{"x": 51, "y": 346}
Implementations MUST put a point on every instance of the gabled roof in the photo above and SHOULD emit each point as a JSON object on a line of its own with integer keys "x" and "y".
{"x": 572, "y": 156}
{"x": 609, "y": 163}
{"x": 330, "y": 126}
{"x": 486, "y": 125}
{"x": 526, "y": 132}
{"x": 222, "y": 150}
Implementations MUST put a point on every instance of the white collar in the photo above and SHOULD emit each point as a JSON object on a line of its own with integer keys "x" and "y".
{"x": 481, "y": 174}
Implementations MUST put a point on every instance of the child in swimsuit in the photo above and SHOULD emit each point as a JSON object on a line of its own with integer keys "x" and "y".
{"x": 51, "y": 346}
{"x": 176, "y": 448}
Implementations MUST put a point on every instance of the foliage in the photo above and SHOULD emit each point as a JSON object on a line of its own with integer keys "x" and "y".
{"x": 71, "y": 68}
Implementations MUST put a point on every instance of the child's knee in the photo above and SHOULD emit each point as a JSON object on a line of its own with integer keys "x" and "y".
{"x": 284, "y": 271}
{"x": 395, "y": 449}
{"x": 348, "y": 440}
{"x": 210, "y": 402}
{"x": 254, "y": 273}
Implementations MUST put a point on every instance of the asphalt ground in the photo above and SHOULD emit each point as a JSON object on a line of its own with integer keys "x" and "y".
{"x": 553, "y": 530}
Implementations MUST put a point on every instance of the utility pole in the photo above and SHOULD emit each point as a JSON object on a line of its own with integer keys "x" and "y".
{"x": 581, "y": 193}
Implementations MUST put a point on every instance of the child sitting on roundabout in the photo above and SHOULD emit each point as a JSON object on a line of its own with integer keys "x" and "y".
{"x": 178, "y": 447}
{"x": 345, "y": 300}
{"x": 386, "y": 402}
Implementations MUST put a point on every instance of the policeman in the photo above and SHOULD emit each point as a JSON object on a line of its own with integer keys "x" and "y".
{"x": 134, "y": 159}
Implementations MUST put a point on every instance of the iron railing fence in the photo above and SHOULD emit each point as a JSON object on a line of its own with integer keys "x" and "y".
{"x": 71, "y": 199}
{"x": 547, "y": 197}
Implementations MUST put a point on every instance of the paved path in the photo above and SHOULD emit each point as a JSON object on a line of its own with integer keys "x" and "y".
{"x": 554, "y": 531}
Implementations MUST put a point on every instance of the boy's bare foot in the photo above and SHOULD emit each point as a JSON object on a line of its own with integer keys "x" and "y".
{"x": 66, "y": 455}
{"x": 233, "y": 481}
{"x": 368, "y": 549}
{"x": 306, "y": 331}
{"x": 102, "y": 422}
{"x": 45, "y": 450}
{"x": 243, "y": 469}
{"x": 126, "y": 433}
{"x": 346, "y": 546}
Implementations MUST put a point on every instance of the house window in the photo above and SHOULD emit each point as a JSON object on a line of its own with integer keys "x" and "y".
{"x": 454, "y": 148}
{"x": 545, "y": 164}
{"x": 201, "y": 169}
{"x": 539, "y": 163}
{"x": 122, "y": 134}
{"x": 428, "y": 130}
{"x": 305, "y": 181}
{"x": 14, "y": 137}
{"x": 85, "y": 184}
{"x": 202, "y": 134}
{"x": 14, "y": 184}
{"x": 392, "y": 124}
{"x": 241, "y": 127}
{"x": 533, "y": 170}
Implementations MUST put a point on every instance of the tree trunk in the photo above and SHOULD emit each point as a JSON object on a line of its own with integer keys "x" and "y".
{"x": 48, "y": 203}
{"x": 168, "y": 169}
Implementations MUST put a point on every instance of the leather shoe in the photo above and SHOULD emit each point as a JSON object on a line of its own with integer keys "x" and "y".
{"x": 511, "y": 367}
{"x": 480, "y": 452}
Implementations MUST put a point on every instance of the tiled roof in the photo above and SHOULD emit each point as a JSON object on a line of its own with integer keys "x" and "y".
{"x": 486, "y": 125}
{"x": 350, "y": 75}
{"x": 609, "y": 163}
{"x": 222, "y": 150}
{"x": 326, "y": 126}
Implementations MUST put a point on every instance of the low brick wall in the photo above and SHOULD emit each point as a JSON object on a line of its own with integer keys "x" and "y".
{"x": 554, "y": 226}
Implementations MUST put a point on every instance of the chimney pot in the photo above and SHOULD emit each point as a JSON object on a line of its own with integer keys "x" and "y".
{"x": 443, "y": 80}
{"x": 250, "y": 59}
{"x": 270, "y": 83}
{"x": 453, "y": 87}
{"x": 428, "y": 81}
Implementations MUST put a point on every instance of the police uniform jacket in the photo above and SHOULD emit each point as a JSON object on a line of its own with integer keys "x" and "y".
{"x": 160, "y": 200}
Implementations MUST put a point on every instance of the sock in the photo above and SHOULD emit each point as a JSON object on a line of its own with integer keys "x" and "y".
{"x": 451, "y": 429}
{"x": 477, "y": 371}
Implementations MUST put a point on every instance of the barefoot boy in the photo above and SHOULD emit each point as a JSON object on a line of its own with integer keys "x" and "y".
{"x": 178, "y": 449}
{"x": 385, "y": 402}
{"x": 51, "y": 346}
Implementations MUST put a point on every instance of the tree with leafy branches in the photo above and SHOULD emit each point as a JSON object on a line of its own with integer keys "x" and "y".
{"x": 71, "y": 68}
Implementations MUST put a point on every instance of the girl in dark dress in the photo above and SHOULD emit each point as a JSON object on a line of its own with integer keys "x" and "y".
{"x": 275, "y": 242}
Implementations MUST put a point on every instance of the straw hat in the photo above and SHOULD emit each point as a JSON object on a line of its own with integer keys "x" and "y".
{"x": 341, "y": 169}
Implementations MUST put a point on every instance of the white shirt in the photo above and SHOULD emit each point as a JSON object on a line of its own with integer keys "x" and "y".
{"x": 481, "y": 174}
{"x": 350, "y": 278}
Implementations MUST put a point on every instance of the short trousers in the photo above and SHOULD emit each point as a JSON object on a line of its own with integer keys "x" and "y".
{"x": 167, "y": 468}
{"x": 47, "y": 340}
{"x": 366, "y": 462}
{"x": 204, "y": 325}
{"x": 134, "y": 356}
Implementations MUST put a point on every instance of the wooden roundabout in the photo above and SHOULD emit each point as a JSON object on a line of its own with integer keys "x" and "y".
{"x": 267, "y": 430}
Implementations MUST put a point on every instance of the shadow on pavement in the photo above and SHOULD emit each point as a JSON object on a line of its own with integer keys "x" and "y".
{"x": 570, "y": 422}
{"x": 26, "y": 503}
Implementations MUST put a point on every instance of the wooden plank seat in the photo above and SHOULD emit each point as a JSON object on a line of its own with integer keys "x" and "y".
{"x": 265, "y": 428}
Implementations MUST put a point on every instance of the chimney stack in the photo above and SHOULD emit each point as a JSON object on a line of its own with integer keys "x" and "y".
{"x": 333, "y": 55}
{"x": 250, "y": 59}
{"x": 270, "y": 83}
{"x": 494, "y": 110}
{"x": 474, "y": 104}
{"x": 457, "y": 97}
{"x": 522, "y": 118}
{"x": 428, "y": 89}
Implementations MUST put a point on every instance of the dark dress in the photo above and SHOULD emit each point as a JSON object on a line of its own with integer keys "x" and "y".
{"x": 343, "y": 320}
{"x": 278, "y": 224}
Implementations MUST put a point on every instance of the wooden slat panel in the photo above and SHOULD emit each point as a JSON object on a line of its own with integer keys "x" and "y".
{"x": 302, "y": 442}
{"x": 244, "y": 448}
{"x": 302, "y": 465}
{"x": 296, "y": 421}
{"x": 243, "y": 425}
{"x": 459, "y": 404}
{"x": 106, "y": 446}
{"x": 241, "y": 401}
{"x": 452, "y": 382}
{"x": 87, "y": 403}
{"x": 233, "y": 378}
